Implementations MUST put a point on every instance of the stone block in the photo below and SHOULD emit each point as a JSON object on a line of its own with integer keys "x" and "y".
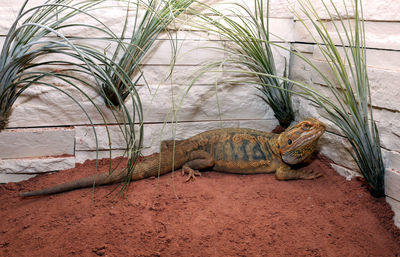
{"x": 395, "y": 204}
{"x": 110, "y": 13}
{"x": 392, "y": 183}
{"x": 380, "y": 35}
{"x": 160, "y": 75}
{"x": 111, "y": 135}
{"x": 42, "y": 106}
{"x": 373, "y": 10}
{"x": 336, "y": 148}
{"x": 36, "y": 165}
{"x": 388, "y": 127}
{"x": 278, "y": 8}
{"x": 392, "y": 159}
{"x": 381, "y": 82}
{"x": 36, "y": 142}
{"x": 191, "y": 52}
{"x": 347, "y": 173}
{"x": 7, "y": 178}
{"x": 376, "y": 58}
{"x": 201, "y": 103}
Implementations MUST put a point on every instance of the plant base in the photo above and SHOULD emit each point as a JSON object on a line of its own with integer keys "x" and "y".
{"x": 3, "y": 122}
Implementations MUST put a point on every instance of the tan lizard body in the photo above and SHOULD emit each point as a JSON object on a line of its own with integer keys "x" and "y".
{"x": 232, "y": 150}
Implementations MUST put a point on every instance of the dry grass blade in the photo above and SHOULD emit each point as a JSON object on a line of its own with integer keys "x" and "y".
{"x": 352, "y": 110}
{"x": 158, "y": 15}
{"x": 249, "y": 31}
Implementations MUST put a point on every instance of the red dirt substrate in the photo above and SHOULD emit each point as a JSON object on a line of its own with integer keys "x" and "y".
{"x": 216, "y": 215}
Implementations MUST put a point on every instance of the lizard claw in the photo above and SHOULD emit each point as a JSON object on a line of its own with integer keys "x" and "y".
{"x": 310, "y": 174}
{"x": 191, "y": 173}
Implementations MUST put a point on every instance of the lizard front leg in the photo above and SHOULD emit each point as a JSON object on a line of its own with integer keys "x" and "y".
{"x": 285, "y": 172}
{"x": 198, "y": 160}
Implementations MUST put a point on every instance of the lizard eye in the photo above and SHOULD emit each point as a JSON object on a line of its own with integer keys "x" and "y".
{"x": 289, "y": 141}
{"x": 306, "y": 125}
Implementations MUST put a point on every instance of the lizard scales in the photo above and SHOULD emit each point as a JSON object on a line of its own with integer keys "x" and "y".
{"x": 232, "y": 150}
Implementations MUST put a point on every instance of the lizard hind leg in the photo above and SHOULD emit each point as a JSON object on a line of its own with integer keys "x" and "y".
{"x": 198, "y": 160}
{"x": 285, "y": 172}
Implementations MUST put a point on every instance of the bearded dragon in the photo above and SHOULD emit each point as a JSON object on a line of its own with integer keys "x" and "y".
{"x": 231, "y": 150}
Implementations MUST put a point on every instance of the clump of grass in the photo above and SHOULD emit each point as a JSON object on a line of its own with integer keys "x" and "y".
{"x": 158, "y": 15}
{"x": 35, "y": 34}
{"x": 249, "y": 31}
{"x": 351, "y": 108}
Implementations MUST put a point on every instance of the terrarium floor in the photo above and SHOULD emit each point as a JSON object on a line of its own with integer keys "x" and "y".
{"x": 216, "y": 215}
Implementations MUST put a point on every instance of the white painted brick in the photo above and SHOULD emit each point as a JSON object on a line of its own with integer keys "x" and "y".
{"x": 111, "y": 13}
{"x": 42, "y": 106}
{"x": 200, "y": 103}
{"x": 372, "y": 9}
{"x": 392, "y": 183}
{"x": 7, "y": 178}
{"x": 376, "y": 58}
{"x": 36, "y": 142}
{"x": 182, "y": 75}
{"x": 8, "y": 14}
{"x": 304, "y": 48}
{"x": 392, "y": 159}
{"x": 385, "y": 92}
{"x": 191, "y": 52}
{"x": 281, "y": 29}
{"x": 336, "y": 148}
{"x": 389, "y": 128}
{"x": 381, "y": 81}
{"x": 382, "y": 35}
{"x": 36, "y": 165}
{"x": 86, "y": 140}
{"x": 347, "y": 173}
{"x": 278, "y": 8}
{"x": 395, "y": 204}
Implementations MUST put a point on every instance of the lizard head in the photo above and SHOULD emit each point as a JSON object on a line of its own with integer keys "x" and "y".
{"x": 299, "y": 141}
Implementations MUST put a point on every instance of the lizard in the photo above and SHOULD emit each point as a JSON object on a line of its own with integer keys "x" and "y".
{"x": 230, "y": 150}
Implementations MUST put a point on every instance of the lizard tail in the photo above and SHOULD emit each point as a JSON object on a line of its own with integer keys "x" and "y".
{"x": 98, "y": 179}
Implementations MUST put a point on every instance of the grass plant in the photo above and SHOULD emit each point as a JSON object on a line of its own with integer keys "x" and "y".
{"x": 158, "y": 15}
{"x": 249, "y": 31}
{"x": 351, "y": 107}
{"x": 35, "y": 50}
